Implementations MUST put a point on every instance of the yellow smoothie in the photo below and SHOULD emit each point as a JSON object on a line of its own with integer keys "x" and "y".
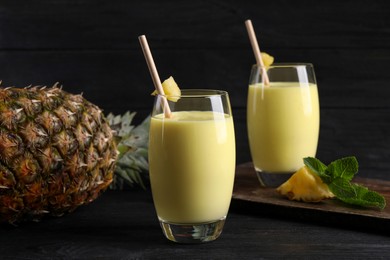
{"x": 283, "y": 125}
{"x": 192, "y": 165}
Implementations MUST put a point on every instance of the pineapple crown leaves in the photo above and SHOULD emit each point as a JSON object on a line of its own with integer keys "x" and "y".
{"x": 132, "y": 144}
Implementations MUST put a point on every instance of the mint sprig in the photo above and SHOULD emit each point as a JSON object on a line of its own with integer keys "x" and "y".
{"x": 338, "y": 175}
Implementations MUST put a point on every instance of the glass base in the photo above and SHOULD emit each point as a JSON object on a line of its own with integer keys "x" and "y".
{"x": 273, "y": 179}
{"x": 192, "y": 233}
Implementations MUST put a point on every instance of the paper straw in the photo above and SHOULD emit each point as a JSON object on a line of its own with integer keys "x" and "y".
{"x": 154, "y": 74}
{"x": 256, "y": 50}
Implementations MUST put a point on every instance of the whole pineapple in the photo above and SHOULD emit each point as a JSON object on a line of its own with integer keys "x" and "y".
{"x": 56, "y": 152}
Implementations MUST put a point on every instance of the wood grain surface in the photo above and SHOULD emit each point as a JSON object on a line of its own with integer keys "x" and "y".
{"x": 247, "y": 188}
{"x": 124, "y": 225}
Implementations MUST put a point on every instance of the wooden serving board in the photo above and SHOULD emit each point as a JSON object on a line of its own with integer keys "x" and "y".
{"x": 248, "y": 195}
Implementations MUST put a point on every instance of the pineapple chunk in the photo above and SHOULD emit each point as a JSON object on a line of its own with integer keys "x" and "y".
{"x": 305, "y": 186}
{"x": 267, "y": 59}
{"x": 171, "y": 89}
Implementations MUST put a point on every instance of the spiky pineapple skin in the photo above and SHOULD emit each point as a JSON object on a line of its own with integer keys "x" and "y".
{"x": 57, "y": 152}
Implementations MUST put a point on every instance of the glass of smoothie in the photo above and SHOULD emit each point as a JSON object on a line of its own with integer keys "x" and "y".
{"x": 192, "y": 164}
{"x": 282, "y": 119}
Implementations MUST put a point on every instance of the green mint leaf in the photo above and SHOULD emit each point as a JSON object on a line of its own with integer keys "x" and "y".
{"x": 317, "y": 167}
{"x": 344, "y": 168}
{"x": 338, "y": 175}
{"x": 342, "y": 188}
{"x": 314, "y": 164}
{"x": 364, "y": 197}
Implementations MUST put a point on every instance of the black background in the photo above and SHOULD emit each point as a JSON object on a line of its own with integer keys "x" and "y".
{"x": 92, "y": 47}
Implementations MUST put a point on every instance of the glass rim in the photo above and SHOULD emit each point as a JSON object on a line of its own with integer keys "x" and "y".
{"x": 285, "y": 65}
{"x": 197, "y": 93}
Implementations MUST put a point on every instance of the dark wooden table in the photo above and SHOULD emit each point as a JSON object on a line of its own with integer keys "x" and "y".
{"x": 123, "y": 225}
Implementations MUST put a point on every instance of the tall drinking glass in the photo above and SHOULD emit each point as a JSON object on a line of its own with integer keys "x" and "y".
{"x": 282, "y": 119}
{"x": 192, "y": 164}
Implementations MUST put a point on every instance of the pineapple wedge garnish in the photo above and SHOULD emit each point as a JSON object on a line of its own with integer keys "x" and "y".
{"x": 306, "y": 186}
{"x": 267, "y": 59}
{"x": 171, "y": 89}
